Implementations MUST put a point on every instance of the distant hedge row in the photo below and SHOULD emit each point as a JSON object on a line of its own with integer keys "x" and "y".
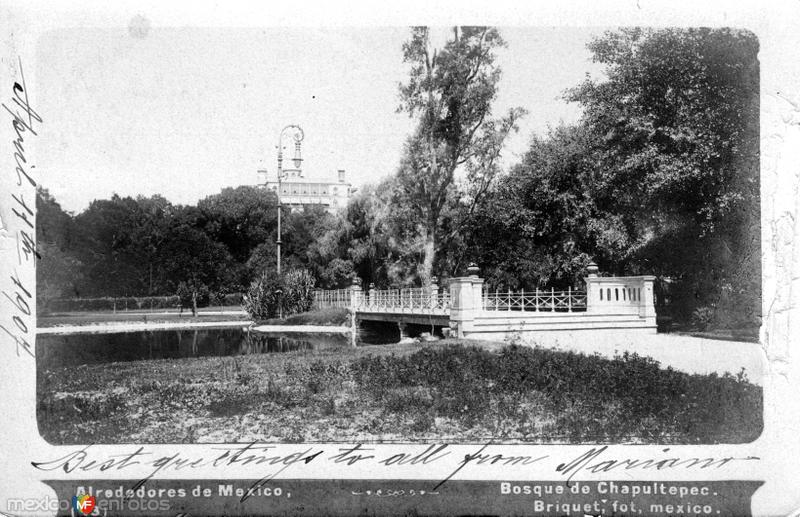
{"x": 135, "y": 303}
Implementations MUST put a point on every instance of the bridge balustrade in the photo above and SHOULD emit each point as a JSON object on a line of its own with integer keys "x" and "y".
{"x": 411, "y": 300}
{"x": 537, "y": 300}
{"x": 328, "y": 298}
{"x": 466, "y": 297}
{"x": 407, "y": 300}
{"x": 621, "y": 295}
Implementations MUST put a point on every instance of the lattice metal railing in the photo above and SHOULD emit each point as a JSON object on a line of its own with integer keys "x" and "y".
{"x": 537, "y": 300}
{"x": 324, "y": 299}
{"x": 410, "y": 300}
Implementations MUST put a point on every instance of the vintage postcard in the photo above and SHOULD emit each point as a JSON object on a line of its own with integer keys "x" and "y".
{"x": 469, "y": 259}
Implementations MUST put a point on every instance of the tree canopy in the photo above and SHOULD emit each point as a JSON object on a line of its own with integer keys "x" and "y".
{"x": 450, "y": 91}
{"x": 660, "y": 175}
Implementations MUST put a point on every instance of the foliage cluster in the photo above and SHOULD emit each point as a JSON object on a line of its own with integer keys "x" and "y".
{"x": 126, "y": 247}
{"x": 272, "y": 295}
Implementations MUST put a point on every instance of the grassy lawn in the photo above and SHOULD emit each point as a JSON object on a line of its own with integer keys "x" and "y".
{"x": 460, "y": 391}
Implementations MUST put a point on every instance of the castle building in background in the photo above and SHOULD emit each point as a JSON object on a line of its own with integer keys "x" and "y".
{"x": 297, "y": 190}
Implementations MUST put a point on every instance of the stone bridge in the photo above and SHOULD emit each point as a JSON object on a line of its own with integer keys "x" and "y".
{"x": 469, "y": 310}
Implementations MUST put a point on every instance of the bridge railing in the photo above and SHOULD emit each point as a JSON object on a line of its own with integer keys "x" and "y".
{"x": 340, "y": 298}
{"x": 408, "y": 300}
{"x": 414, "y": 300}
{"x": 548, "y": 300}
{"x": 621, "y": 295}
{"x": 466, "y": 297}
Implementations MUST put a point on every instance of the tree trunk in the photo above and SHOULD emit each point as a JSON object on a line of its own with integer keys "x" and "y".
{"x": 428, "y": 256}
{"x": 194, "y": 303}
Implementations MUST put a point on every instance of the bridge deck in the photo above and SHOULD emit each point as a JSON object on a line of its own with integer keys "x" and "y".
{"x": 400, "y": 316}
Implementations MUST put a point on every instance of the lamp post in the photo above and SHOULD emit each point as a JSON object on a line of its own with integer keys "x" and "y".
{"x": 298, "y": 137}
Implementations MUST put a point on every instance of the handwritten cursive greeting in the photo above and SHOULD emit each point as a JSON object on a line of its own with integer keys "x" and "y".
{"x": 593, "y": 461}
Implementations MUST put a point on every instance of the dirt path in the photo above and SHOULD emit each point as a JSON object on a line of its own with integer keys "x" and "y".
{"x": 685, "y": 353}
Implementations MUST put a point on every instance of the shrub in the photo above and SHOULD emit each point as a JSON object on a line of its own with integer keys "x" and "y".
{"x": 702, "y": 317}
{"x": 262, "y": 300}
{"x": 298, "y": 291}
{"x": 291, "y": 292}
{"x": 193, "y": 295}
{"x": 112, "y": 303}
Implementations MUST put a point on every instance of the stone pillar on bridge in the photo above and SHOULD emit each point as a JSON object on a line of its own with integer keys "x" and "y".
{"x": 356, "y": 295}
{"x": 432, "y": 292}
{"x": 356, "y": 300}
{"x": 466, "y": 301}
{"x": 647, "y": 309}
{"x": 592, "y": 288}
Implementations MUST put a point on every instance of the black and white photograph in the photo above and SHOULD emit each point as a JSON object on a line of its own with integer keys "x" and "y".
{"x": 522, "y": 235}
{"x": 462, "y": 258}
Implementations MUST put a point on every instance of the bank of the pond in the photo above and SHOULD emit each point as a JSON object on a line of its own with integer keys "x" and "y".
{"x": 325, "y": 317}
{"x": 316, "y": 329}
{"x": 117, "y": 327}
{"x": 81, "y": 318}
{"x": 127, "y": 326}
{"x": 460, "y": 391}
{"x": 323, "y": 320}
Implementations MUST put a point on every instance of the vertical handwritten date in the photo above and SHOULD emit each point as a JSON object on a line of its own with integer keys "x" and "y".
{"x": 24, "y": 122}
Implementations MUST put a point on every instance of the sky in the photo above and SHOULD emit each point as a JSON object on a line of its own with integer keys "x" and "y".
{"x": 185, "y": 112}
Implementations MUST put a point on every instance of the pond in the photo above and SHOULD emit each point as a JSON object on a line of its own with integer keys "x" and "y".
{"x": 95, "y": 348}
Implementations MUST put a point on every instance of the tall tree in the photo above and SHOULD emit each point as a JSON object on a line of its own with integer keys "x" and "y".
{"x": 241, "y": 218}
{"x": 450, "y": 90}
{"x": 540, "y": 227}
{"x": 115, "y": 263}
{"x": 676, "y": 128}
{"x": 362, "y": 239}
{"x": 190, "y": 256}
{"x": 58, "y": 272}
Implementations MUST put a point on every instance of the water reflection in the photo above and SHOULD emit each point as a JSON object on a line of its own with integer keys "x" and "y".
{"x": 77, "y": 349}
